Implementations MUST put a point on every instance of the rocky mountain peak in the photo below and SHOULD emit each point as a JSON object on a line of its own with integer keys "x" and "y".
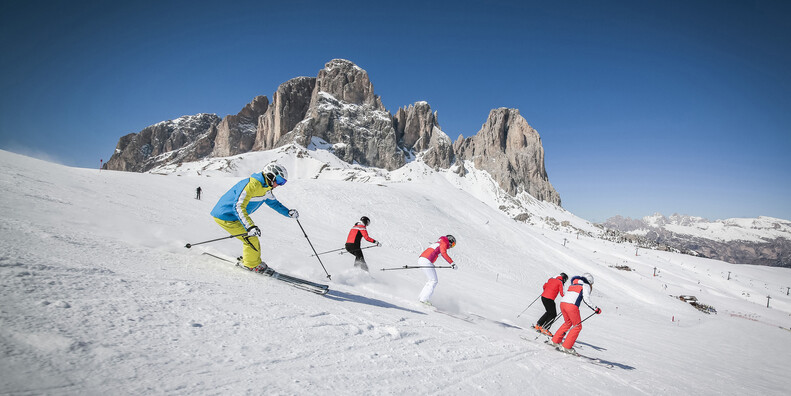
{"x": 510, "y": 150}
{"x": 346, "y": 82}
{"x": 417, "y": 130}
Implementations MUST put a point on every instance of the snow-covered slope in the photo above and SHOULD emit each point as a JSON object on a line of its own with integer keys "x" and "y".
{"x": 99, "y": 294}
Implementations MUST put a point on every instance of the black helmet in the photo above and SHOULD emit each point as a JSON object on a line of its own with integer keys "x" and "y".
{"x": 564, "y": 277}
{"x": 451, "y": 239}
{"x": 365, "y": 220}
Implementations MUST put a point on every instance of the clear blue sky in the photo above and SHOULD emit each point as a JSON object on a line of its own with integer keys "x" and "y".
{"x": 642, "y": 106}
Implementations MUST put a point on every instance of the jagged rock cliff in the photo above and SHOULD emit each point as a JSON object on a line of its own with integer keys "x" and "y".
{"x": 418, "y": 131}
{"x": 236, "y": 134}
{"x": 511, "y": 151}
{"x": 345, "y": 112}
{"x": 339, "y": 106}
{"x": 289, "y": 107}
{"x": 160, "y": 143}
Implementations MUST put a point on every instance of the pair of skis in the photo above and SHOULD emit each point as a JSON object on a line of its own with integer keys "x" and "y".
{"x": 589, "y": 359}
{"x": 299, "y": 283}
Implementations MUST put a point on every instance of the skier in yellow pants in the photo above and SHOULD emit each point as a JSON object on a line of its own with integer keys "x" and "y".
{"x": 232, "y": 211}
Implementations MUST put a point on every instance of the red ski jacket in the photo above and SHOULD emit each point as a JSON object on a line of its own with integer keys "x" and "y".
{"x": 552, "y": 288}
{"x": 357, "y": 233}
{"x": 436, "y": 249}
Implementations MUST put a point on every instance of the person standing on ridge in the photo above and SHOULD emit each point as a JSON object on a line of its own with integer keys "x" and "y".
{"x": 356, "y": 234}
{"x": 197, "y": 193}
{"x": 427, "y": 259}
{"x": 579, "y": 290}
{"x": 551, "y": 290}
{"x": 232, "y": 211}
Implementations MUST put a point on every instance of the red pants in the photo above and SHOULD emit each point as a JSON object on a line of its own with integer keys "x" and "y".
{"x": 571, "y": 317}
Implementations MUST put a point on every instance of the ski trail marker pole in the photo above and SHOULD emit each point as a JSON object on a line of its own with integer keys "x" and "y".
{"x": 531, "y": 304}
{"x": 189, "y": 245}
{"x": 314, "y": 249}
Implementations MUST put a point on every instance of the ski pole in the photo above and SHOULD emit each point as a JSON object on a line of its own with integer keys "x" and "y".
{"x": 531, "y": 304}
{"x": 314, "y": 249}
{"x": 410, "y": 267}
{"x": 328, "y": 251}
{"x": 367, "y": 247}
{"x": 589, "y": 316}
{"x": 551, "y": 322}
{"x": 580, "y": 323}
{"x": 189, "y": 245}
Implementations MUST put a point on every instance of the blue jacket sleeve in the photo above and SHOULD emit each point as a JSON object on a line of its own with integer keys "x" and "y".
{"x": 276, "y": 205}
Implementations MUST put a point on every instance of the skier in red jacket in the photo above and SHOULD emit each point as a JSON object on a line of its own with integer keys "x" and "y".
{"x": 426, "y": 261}
{"x": 356, "y": 234}
{"x": 551, "y": 290}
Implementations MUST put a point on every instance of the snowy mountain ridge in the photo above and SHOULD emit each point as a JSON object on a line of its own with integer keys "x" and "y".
{"x": 763, "y": 240}
{"x": 745, "y": 229}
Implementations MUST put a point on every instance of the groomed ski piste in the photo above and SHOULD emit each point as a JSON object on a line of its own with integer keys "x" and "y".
{"x": 99, "y": 295}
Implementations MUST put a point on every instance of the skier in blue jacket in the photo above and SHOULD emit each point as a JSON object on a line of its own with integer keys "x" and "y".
{"x": 232, "y": 211}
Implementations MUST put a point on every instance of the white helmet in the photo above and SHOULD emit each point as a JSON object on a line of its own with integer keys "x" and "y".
{"x": 272, "y": 170}
{"x": 589, "y": 277}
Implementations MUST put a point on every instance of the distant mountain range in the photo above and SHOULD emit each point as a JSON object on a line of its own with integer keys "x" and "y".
{"x": 761, "y": 241}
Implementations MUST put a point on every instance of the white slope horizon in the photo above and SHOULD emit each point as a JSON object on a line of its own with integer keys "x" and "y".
{"x": 99, "y": 294}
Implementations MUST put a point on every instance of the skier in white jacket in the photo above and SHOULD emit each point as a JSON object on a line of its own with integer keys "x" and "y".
{"x": 579, "y": 291}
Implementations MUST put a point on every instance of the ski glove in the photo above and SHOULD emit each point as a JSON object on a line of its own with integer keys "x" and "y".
{"x": 292, "y": 213}
{"x": 598, "y": 310}
{"x": 253, "y": 231}
{"x": 453, "y": 265}
{"x": 378, "y": 243}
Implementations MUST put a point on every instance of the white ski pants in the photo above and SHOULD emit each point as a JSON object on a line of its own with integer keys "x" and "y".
{"x": 431, "y": 274}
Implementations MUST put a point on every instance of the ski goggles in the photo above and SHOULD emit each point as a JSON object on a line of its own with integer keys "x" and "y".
{"x": 280, "y": 180}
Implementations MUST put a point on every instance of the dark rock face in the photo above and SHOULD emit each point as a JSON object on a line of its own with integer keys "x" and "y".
{"x": 184, "y": 139}
{"x": 418, "y": 131}
{"x": 289, "y": 107}
{"x": 359, "y": 133}
{"x": 510, "y": 150}
{"x": 236, "y": 134}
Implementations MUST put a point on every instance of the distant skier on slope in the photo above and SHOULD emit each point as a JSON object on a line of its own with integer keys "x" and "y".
{"x": 551, "y": 290}
{"x": 356, "y": 234}
{"x": 579, "y": 290}
{"x": 232, "y": 211}
{"x": 197, "y": 193}
{"x": 427, "y": 259}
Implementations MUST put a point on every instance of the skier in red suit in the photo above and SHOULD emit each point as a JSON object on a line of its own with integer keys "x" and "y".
{"x": 356, "y": 234}
{"x": 551, "y": 290}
